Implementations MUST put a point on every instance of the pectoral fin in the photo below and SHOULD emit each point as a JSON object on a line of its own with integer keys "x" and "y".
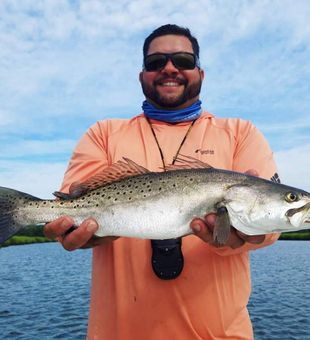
{"x": 222, "y": 227}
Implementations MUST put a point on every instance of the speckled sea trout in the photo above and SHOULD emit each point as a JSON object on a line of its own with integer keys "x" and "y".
{"x": 128, "y": 200}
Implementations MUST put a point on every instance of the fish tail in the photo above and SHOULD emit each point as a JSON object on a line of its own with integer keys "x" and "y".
{"x": 10, "y": 201}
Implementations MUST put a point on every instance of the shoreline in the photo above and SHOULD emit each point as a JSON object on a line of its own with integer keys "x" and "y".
{"x": 22, "y": 240}
{"x": 303, "y": 235}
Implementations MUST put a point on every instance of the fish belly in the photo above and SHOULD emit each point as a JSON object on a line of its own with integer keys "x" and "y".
{"x": 149, "y": 219}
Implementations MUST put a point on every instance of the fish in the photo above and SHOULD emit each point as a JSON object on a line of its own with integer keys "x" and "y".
{"x": 128, "y": 200}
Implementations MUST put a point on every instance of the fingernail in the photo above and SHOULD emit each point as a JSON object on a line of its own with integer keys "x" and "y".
{"x": 92, "y": 227}
{"x": 196, "y": 228}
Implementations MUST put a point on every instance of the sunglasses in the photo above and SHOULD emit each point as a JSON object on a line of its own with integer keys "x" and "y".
{"x": 180, "y": 60}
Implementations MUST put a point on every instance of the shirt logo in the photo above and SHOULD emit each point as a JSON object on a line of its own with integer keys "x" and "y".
{"x": 205, "y": 152}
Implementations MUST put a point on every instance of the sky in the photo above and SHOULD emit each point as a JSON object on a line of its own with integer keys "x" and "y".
{"x": 65, "y": 64}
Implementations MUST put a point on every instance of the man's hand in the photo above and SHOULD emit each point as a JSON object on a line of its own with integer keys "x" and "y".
{"x": 203, "y": 228}
{"x": 81, "y": 237}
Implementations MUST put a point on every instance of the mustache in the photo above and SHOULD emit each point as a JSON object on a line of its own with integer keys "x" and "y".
{"x": 179, "y": 80}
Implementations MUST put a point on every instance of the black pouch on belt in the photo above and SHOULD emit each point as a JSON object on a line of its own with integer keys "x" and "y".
{"x": 167, "y": 258}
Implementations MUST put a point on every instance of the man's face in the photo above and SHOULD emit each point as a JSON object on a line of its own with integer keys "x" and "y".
{"x": 170, "y": 87}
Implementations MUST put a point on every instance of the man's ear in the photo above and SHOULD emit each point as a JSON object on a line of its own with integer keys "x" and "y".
{"x": 202, "y": 74}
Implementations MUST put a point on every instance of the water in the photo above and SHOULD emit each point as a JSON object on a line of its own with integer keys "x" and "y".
{"x": 48, "y": 299}
{"x": 44, "y": 292}
{"x": 280, "y": 302}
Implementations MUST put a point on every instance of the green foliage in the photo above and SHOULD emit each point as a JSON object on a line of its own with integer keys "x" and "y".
{"x": 19, "y": 240}
{"x": 34, "y": 234}
{"x": 32, "y": 230}
{"x": 28, "y": 235}
{"x": 298, "y": 235}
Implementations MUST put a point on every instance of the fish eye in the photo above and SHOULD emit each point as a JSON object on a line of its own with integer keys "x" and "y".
{"x": 291, "y": 197}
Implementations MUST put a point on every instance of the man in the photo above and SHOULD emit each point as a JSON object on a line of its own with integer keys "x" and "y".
{"x": 208, "y": 298}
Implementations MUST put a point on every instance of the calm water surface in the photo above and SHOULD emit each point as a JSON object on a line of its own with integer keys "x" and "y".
{"x": 49, "y": 299}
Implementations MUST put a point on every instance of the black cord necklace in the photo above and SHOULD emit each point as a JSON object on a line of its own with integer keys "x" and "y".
{"x": 167, "y": 258}
{"x": 179, "y": 148}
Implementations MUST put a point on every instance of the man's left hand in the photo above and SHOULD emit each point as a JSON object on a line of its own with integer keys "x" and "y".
{"x": 203, "y": 228}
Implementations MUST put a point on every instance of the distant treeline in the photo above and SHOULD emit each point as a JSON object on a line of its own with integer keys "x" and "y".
{"x": 34, "y": 234}
{"x": 31, "y": 234}
{"x": 38, "y": 231}
{"x": 296, "y": 235}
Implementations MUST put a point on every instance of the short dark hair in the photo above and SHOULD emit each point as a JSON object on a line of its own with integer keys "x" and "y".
{"x": 171, "y": 29}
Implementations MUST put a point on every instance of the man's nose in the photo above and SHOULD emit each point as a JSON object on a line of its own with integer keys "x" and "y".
{"x": 169, "y": 68}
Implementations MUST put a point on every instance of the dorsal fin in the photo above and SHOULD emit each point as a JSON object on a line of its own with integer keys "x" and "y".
{"x": 115, "y": 172}
{"x": 187, "y": 162}
{"x": 124, "y": 169}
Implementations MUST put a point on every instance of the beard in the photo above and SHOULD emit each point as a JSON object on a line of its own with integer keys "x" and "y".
{"x": 190, "y": 91}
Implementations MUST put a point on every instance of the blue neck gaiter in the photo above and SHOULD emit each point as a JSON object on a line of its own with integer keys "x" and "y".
{"x": 172, "y": 116}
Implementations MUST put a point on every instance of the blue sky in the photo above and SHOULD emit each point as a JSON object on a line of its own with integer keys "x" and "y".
{"x": 66, "y": 64}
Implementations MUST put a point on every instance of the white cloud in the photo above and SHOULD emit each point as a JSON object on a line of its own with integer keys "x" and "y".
{"x": 301, "y": 122}
{"x": 38, "y": 147}
{"x": 294, "y": 165}
{"x": 37, "y": 179}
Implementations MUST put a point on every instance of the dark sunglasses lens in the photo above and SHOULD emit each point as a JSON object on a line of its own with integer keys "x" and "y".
{"x": 184, "y": 61}
{"x": 155, "y": 62}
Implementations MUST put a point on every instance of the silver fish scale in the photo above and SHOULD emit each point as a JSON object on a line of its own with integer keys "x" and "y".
{"x": 139, "y": 190}
{"x": 134, "y": 189}
{"x": 141, "y": 187}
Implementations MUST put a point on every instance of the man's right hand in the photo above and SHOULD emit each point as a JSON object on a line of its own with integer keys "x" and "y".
{"x": 81, "y": 237}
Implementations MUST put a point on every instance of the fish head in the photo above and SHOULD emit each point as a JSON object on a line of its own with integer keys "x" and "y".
{"x": 260, "y": 207}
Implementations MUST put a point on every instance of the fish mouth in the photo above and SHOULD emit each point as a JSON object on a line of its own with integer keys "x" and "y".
{"x": 305, "y": 212}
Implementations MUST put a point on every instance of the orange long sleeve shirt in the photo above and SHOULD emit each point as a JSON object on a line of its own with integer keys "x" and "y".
{"x": 209, "y": 298}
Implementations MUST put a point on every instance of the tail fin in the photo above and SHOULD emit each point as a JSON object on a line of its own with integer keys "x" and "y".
{"x": 10, "y": 201}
